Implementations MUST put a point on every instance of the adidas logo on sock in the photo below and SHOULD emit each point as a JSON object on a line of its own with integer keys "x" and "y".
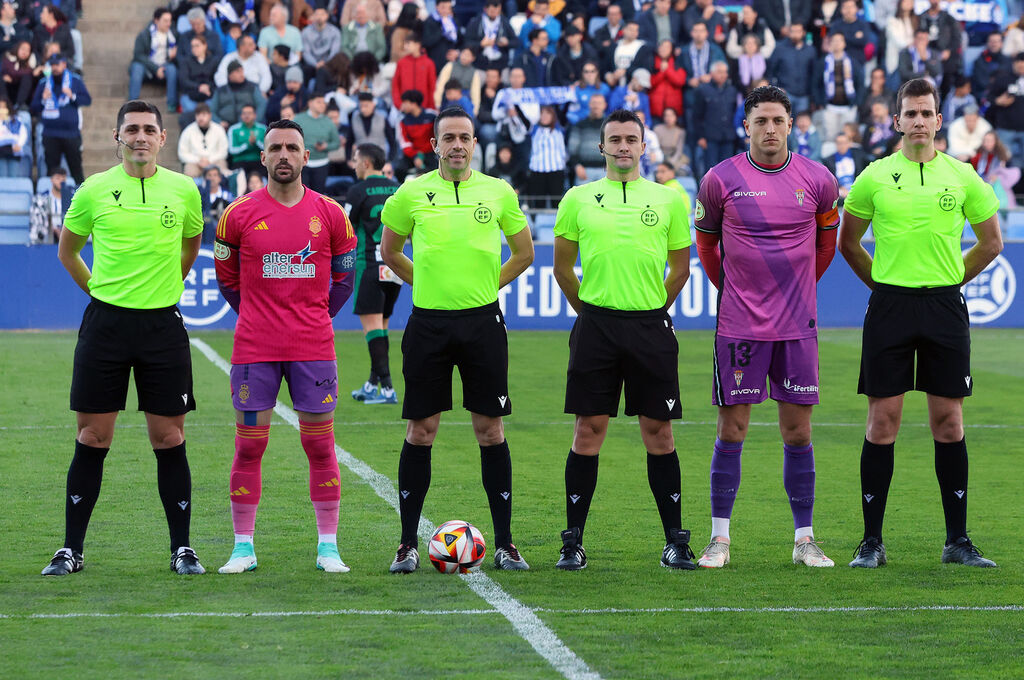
{"x": 505, "y": 494}
{"x": 960, "y": 494}
{"x": 76, "y": 499}
{"x": 868, "y": 497}
{"x": 675, "y": 497}
{"x": 405, "y": 494}
{"x": 574, "y": 497}
{"x": 183, "y": 504}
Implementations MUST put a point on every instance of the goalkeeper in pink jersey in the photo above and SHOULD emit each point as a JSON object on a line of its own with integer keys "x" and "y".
{"x": 285, "y": 256}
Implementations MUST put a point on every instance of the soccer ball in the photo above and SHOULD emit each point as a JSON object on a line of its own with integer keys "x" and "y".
{"x": 456, "y": 546}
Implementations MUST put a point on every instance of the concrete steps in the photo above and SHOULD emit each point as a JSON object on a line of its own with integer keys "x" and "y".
{"x": 108, "y": 34}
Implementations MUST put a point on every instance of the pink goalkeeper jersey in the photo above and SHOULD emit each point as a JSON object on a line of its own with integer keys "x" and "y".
{"x": 768, "y": 220}
{"x": 279, "y": 258}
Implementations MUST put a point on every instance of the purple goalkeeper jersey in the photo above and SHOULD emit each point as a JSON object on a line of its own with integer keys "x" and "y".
{"x": 768, "y": 219}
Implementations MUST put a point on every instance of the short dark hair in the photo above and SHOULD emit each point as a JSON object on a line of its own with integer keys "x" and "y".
{"x": 534, "y": 34}
{"x": 285, "y": 124}
{"x": 200, "y": 38}
{"x": 374, "y": 153}
{"x": 139, "y": 106}
{"x": 918, "y": 87}
{"x": 764, "y": 95}
{"x": 414, "y": 96}
{"x": 157, "y": 13}
{"x": 234, "y": 65}
{"x": 453, "y": 84}
{"x": 283, "y": 50}
{"x": 202, "y": 107}
{"x": 452, "y": 112}
{"x": 365, "y": 96}
{"x": 622, "y": 116}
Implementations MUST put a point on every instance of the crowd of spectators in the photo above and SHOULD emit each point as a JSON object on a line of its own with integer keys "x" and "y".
{"x": 538, "y": 76}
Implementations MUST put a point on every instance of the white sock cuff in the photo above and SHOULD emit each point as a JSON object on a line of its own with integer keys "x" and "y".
{"x": 242, "y": 538}
{"x": 328, "y": 538}
{"x": 720, "y": 527}
{"x": 804, "y": 532}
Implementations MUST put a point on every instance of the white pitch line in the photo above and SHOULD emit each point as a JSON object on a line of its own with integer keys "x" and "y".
{"x": 523, "y": 619}
{"x": 545, "y": 610}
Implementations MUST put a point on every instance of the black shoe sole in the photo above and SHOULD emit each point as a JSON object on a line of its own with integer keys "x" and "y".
{"x": 686, "y": 566}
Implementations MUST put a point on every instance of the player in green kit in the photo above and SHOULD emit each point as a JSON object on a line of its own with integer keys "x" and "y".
{"x": 624, "y": 229}
{"x": 455, "y": 217}
{"x": 146, "y": 224}
{"x": 916, "y": 201}
{"x": 377, "y": 287}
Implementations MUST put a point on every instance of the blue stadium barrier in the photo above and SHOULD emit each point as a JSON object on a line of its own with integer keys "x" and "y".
{"x": 38, "y": 293}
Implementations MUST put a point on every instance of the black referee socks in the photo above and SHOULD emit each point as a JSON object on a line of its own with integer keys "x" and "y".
{"x": 666, "y": 485}
{"x": 413, "y": 482}
{"x": 876, "y": 464}
{"x": 174, "y": 480}
{"x": 580, "y": 482}
{"x": 496, "y": 473}
{"x": 951, "y": 470}
{"x": 83, "y": 488}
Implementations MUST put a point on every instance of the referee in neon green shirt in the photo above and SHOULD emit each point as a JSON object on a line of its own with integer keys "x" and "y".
{"x": 917, "y": 200}
{"x": 146, "y": 224}
{"x": 624, "y": 229}
{"x": 455, "y": 218}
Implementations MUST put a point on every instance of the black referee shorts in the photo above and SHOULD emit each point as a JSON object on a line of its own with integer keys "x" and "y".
{"x": 374, "y": 296}
{"x": 931, "y": 323}
{"x": 113, "y": 341}
{"x": 474, "y": 340}
{"x": 609, "y": 347}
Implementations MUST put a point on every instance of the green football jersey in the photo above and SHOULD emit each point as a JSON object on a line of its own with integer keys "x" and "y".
{"x": 624, "y": 231}
{"x": 456, "y": 236}
{"x": 917, "y": 213}
{"x": 137, "y": 226}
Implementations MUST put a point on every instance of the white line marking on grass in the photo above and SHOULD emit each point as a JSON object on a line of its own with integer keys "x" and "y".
{"x": 523, "y": 619}
{"x": 546, "y": 610}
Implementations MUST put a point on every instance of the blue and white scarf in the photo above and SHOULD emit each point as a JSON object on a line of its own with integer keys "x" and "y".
{"x": 535, "y": 95}
{"x": 57, "y": 98}
{"x": 448, "y": 27}
{"x": 172, "y": 42}
{"x": 830, "y": 78}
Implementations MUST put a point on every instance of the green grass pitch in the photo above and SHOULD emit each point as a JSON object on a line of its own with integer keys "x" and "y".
{"x": 623, "y": 617}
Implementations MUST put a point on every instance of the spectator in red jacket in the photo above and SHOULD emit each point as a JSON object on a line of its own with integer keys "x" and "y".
{"x": 414, "y": 71}
{"x": 667, "y": 80}
{"x": 414, "y": 134}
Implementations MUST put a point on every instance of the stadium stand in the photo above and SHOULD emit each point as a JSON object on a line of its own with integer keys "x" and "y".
{"x": 15, "y": 201}
{"x": 102, "y": 51}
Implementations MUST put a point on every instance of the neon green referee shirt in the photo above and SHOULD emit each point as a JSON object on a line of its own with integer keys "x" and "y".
{"x": 137, "y": 227}
{"x": 917, "y": 213}
{"x": 456, "y": 236}
{"x": 624, "y": 231}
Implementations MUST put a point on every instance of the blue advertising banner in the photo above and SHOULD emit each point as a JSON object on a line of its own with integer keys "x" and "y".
{"x": 38, "y": 293}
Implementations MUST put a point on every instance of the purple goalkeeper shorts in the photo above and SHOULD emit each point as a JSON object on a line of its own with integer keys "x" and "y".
{"x": 313, "y": 385}
{"x": 742, "y": 367}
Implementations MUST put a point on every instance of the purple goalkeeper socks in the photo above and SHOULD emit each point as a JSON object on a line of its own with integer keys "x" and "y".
{"x": 725, "y": 477}
{"x": 798, "y": 478}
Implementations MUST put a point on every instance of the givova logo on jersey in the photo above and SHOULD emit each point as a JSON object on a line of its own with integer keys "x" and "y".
{"x": 289, "y": 265}
{"x": 990, "y": 293}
